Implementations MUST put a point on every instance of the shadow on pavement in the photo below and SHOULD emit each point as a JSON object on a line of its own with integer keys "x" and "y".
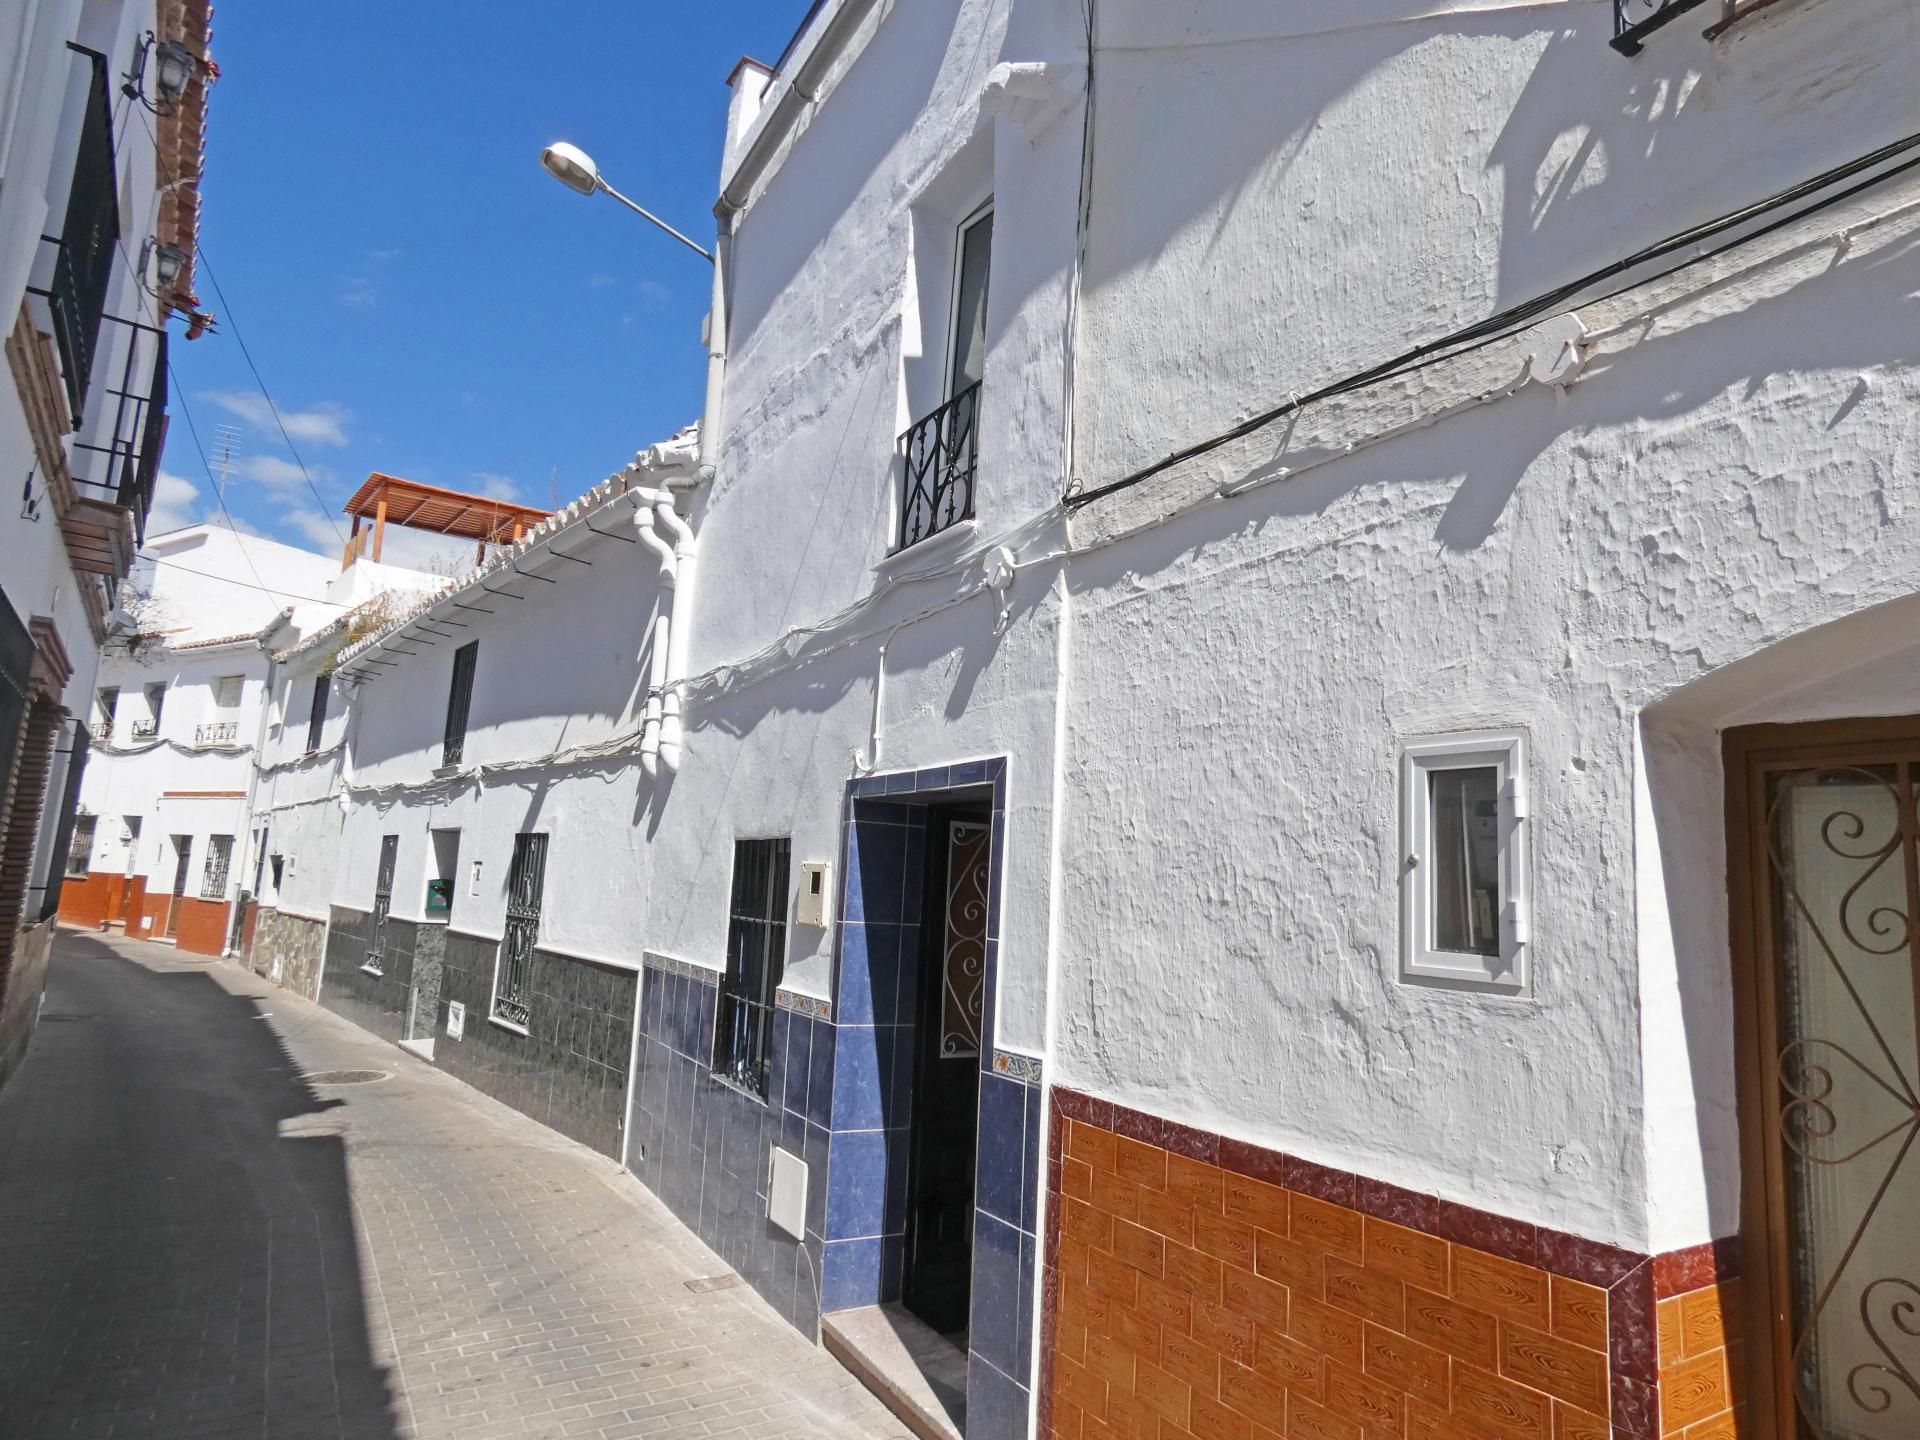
{"x": 178, "y": 1257}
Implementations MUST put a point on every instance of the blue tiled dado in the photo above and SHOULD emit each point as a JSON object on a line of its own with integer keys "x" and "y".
{"x": 883, "y": 853}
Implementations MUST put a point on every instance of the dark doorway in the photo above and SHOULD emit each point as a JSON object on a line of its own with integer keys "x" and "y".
{"x": 937, "y": 1282}
{"x": 182, "y": 858}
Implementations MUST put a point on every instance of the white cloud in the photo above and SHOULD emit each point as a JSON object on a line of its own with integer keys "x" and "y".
{"x": 356, "y": 293}
{"x": 313, "y": 527}
{"x": 324, "y": 424}
{"x": 654, "y": 293}
{"x": 175, "y": 501}
{"x": 496, "y": 487}
{"x": 271, "y": 471}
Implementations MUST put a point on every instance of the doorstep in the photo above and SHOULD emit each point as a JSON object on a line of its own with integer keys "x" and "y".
{"x": 917, "y": 1373}
{"x": 422, "y": 1048}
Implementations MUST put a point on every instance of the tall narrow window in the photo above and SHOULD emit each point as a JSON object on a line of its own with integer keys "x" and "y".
{"x": 156, "y": 702}
{"x": 514, "y": 970}
{"x": 376, "y": 961}
{"x": 942, "y": 449}
{"x": 213, "y": 880}
{"x": 106, "y": 707}
{"x": 756, "y": 956}
{"x": 446, "y": 861}
{"x": 317, "y": 711}
{"x": 459, "y": 701}
{"x": 222, "y": 725}
{"x": 80, "y": 848}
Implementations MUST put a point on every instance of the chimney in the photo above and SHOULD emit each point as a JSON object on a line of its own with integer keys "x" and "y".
{"x": 749, "y": 81}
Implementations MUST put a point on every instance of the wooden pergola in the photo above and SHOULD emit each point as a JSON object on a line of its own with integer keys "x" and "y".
{"x": 389, "y": 500}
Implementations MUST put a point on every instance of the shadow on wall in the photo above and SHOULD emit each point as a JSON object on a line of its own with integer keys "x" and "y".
{"x": 1479, "y": 160}
{"x": 180, "y": 1233}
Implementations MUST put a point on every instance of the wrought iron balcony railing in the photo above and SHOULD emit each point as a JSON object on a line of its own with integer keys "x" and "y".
{"x": 142, "y": 471}
{"x": 83, "y": 262}
{"x": 101, "y": 731}
{"x": 1634, "y": 20}
{"x": 942, "y": 453}
{"x": 217, "y": 732}
{"x": 145, "y": 729}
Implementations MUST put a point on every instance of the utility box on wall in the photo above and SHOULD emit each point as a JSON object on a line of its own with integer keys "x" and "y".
{"x": 812, "y": 909}
{"x": 787, "y": 1192}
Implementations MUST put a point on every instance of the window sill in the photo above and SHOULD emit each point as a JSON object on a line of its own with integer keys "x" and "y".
{"x": 374, "y": 971}
{"x": 726, "y": 1082}
{"x": 508, "y": 1026}
{"x": 940, "y": 550}
{"x": 445, "y": 772}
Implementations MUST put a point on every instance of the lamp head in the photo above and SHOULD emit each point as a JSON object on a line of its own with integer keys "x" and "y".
{"x": 572, "y": 167}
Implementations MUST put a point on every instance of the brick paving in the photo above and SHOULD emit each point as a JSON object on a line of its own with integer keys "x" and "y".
{"x": 197, "y": 1242}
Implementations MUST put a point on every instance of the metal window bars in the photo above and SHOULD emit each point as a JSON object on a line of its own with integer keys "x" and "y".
{"x": 525, "y": 882}
{"x": 216, "y": 732}
{"x": 317, "y": 712}
{"x": 376, "y": 959}
{"x": 84, "y": 248}
{"x": 213, "y": 880}
{"x": 941, "y": 453}
{"x": 756, "y": 953}
{"x": 1634, "y": 20}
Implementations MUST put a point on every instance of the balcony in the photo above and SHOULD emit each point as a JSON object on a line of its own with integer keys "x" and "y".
{"x": 942, "y": 453}
{"x": 1634, "y": 20}
{"x": 141, "y": 470}
{"x": 84, "y": 248}
{"x": 101, "y": 731}
{"x": 215, "y": 733}
{"x": 145, "y": 729}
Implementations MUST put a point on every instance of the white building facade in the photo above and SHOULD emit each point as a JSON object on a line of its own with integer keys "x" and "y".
{"x": 1262, "y": 759}
{"x": 102, "y": 109}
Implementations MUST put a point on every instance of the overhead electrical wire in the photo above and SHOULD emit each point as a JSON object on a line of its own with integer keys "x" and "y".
{"x": 233, "y": 322}
{"x": 1516, "y": 318}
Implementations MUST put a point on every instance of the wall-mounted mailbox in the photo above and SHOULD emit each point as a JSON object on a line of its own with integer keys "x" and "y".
{"x": 812, "y": 909}
{"x": 439, "y": 896}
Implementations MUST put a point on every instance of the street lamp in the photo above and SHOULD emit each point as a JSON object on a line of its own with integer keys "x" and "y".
{"x": 574, "y": 168}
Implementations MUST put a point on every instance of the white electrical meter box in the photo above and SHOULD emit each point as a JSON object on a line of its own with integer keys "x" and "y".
{"x": 814, "y": 878}
{"x": 787, "y": 1192}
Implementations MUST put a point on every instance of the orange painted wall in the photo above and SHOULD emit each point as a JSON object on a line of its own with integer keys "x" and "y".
{"x": 203, "y": 925}
{"x": 87, "y": 901}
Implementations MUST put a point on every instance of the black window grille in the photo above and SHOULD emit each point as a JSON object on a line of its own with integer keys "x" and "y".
{"x": 213, "y": 880}
{"x": 942, "y": 454}
{"x": 142, "y": 472}
{"x": 83, "y": 262}
{"x": 459, "y": 701}
{"x": 1634, "y": 20}
{"x": 525, "y": 881}
{"x": 376, "y": 961}
{"x": 756, "y": 956}
{"x": 80, "y": 846}
{"x": 317, "y": 711}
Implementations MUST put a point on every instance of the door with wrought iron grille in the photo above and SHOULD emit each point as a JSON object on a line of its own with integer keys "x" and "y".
{"x": 526, "y": 880}
{"x": 1825, "y": 852}
{"x": 376, "y": 961}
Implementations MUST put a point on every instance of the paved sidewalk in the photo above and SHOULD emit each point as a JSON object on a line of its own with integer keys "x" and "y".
{"x": 195, "y": 1241}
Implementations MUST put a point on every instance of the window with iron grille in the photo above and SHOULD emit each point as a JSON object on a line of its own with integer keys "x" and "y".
{"x": 317, "y": 711}
{"x": 514, "y": 969}
{"x": 941, "y": 450}
{"x": 376, "y": 961}
{"x": 213, "y": 880}
{"x": 83, "y": 259}
{"x": 459, "y": 700}
{"x": 756, "y": 956}
{"x": 80, "y": 849}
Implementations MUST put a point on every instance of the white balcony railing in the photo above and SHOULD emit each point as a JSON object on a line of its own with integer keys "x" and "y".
{"x": 216, "y": 732}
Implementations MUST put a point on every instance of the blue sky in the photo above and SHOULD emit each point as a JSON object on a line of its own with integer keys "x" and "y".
{"x": 420, "y": 297}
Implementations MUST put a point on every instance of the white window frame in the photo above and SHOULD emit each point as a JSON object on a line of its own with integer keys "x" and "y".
{"x": 1510, "y": 972}
{"x": 973, "y": 217}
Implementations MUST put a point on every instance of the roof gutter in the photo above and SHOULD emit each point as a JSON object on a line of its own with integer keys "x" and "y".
{"x": 802, "y": 90}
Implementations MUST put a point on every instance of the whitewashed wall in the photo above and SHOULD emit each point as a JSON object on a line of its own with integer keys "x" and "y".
{"x": 1733, "y": 470}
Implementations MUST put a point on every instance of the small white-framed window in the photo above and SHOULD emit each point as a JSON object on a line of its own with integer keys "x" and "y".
{"x": 1464, "y": 905}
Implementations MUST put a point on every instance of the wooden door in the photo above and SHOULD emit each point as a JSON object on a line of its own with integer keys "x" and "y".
{"x": 1824, "y": 870}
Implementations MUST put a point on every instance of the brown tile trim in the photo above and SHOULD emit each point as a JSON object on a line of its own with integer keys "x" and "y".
{"x": 1634, "y": 1283}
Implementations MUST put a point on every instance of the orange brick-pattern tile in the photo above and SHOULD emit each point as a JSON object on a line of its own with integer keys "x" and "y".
{"x": 1195, "y": 1302}
{"x": 1188, "y": 1298}
{"x": 1700, "y": 1352}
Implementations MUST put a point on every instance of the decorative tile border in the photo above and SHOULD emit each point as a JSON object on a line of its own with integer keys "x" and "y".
{"x": 1397, "y": 1308}
{"x": 816, "y": 1006}
{"x": 706, "y": 975}
{"x": 1025, "y": 1068}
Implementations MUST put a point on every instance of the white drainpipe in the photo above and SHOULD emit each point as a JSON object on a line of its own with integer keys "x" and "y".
{"x": 643, "y": 502}
{"x": 683, "y": 555}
